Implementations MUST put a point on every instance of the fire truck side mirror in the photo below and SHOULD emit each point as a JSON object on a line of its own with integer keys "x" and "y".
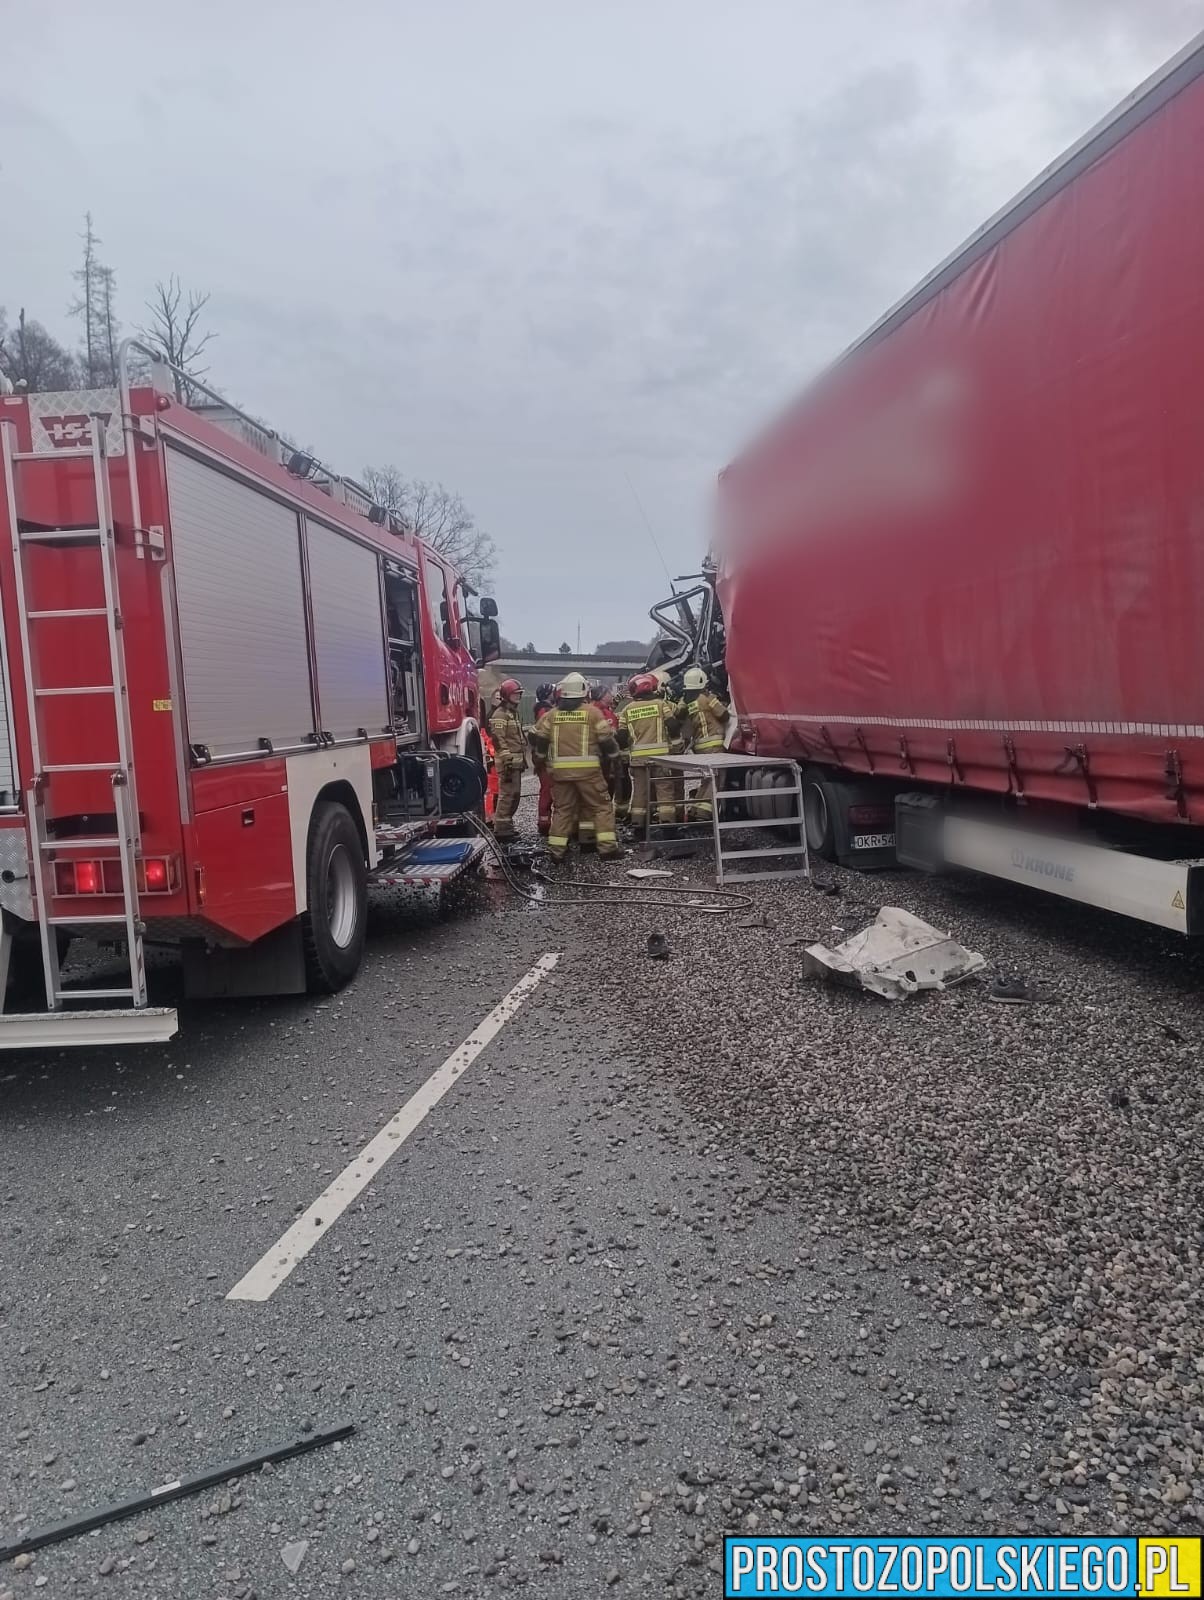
{"x": 488, "y": 607}
{"x": 491, "y": 640}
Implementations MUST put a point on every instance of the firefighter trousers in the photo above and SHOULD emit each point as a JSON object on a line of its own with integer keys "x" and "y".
{"x": 545, "y": 801}
{"x": 581, "y": 802}
{"x": 509, "y": 793}
{"x": 662, "y": 795}
{"x": 621, "y": 772}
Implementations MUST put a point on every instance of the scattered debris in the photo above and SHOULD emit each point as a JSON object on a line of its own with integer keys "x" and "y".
{"x": 1118, "y": 1099}
{"x": 294, "y": 1554}
{"x": 648, "y": 872}
{"x": 1014, "y": 991}
{"x": 175, "y": 1490}
{"x": 657, "y": 948}
{"x": 1172, "y": 1034}
{"x": 896, "y": 955}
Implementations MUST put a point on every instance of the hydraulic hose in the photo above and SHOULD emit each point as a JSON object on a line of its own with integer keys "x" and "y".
{"x": 613, "y": 894}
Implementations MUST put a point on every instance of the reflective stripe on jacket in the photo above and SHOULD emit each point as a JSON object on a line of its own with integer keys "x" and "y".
{"x": 646, "y": 722}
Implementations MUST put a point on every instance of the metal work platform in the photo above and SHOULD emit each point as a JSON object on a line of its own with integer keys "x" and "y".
{"x": 776, "y": 801}
{"x": 401, "y": 834}
{"x": 427, "y": 869}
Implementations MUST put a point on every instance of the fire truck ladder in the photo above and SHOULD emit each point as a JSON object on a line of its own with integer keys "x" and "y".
{"x": 127, "y": 837}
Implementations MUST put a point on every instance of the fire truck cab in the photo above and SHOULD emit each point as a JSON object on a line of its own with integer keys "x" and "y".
{"x": 234, "y": 692}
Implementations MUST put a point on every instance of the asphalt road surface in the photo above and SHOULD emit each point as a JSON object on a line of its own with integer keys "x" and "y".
{"x": 583, "y": 1312}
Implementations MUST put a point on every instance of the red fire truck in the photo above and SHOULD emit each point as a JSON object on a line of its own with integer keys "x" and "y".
{"x": 235, "y": 692}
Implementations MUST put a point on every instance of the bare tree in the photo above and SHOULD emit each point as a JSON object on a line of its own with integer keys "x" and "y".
{"x": 436, "y": 515}
{"x": 94, "y": 305}
{"x": 110, "y": 327}
{"x": 86, "y": 305}
{"x": 33, "y": 359}
{"x": 175, "y": 332}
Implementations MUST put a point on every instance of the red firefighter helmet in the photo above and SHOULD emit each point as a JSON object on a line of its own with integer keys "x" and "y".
{"x": 510, "y": 689}
{"x": 642, "y": 683}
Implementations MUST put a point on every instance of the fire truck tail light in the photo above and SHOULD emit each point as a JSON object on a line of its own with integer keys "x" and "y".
{"x": 157, "y": 875}
{"x": 78, "y": 877}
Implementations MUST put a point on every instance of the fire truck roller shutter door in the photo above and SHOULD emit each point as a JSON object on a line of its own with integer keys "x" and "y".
{"x": 344, "y": 590}
{"x": 237, "y": 559}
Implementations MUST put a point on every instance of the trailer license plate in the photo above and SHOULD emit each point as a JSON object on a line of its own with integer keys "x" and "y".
{"x": 873, "y": 841}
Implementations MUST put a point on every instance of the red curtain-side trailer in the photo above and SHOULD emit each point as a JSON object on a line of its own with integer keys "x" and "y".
{"x": 968, "y": 563}
{"x": 234, "y": 692}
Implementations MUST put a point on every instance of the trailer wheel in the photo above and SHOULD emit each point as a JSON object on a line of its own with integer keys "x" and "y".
{"x": 817, "y": 816}
{"x": 335, "y": 921}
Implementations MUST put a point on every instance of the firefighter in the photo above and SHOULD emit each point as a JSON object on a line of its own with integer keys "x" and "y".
{"x": 705, "y": 715}
{"x": 510, "y": 744}
{"x": 574, "y": 738}
{"x": 645, "y": 727}
{"x": 601, "y": 698}
{"x": 544, "y": 696}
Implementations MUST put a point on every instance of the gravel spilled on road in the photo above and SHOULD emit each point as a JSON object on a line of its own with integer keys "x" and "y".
{"x": 1037, "y": 1171}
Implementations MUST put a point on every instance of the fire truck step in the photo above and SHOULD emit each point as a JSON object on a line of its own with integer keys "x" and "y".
{"x": 94, "y": 842}
{"x": 41, "y": 1030}
{"x": 84, "y": 766}
{"x": 432, "y": 866}
{"x": 93, "y": 994}
{"x": 82, "y": 920}
{"x": 83, "y": 453}
{"x": 70, "y": 611}
{"x": 82, "y": 688}
{"x": 398, "y": 833}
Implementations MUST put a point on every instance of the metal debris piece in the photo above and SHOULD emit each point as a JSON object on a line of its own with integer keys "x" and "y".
{"x": 897, "y": 955}
{"x": 647, "y": 872}
{"x": 1014, "y": 991}
{"x": 175, "y": 1490}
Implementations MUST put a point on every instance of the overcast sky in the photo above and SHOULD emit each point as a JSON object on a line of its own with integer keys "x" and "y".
{"x": 564, "y": 255}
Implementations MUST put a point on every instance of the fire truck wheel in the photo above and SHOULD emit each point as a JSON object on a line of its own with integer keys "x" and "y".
{"x": 333, "y": 926}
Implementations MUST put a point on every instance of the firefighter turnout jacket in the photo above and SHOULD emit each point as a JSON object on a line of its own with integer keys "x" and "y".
{"x": 506, "y": 731}
{"x": 573, "y": 740}
{"x": 644, "y": 729}
{"x": 706, "y": 717}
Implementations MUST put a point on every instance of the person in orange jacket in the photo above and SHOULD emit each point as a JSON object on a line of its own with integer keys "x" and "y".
{"x": 491, "y": 780}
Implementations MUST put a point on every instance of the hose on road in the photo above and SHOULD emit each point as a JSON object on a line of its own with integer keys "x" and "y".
{"x": 712, "y": 902}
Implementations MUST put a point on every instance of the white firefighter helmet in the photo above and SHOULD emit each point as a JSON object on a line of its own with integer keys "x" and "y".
{"x": 573, "y": 687}
{"x": 695, "y": 678}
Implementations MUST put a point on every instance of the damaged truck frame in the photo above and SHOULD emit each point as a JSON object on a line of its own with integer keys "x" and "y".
{"x": 234, "y": 691}
{"x": 961, "y": 580}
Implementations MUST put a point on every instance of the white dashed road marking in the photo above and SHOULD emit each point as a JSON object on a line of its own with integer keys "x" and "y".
{"x": 270, "y": 1271}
